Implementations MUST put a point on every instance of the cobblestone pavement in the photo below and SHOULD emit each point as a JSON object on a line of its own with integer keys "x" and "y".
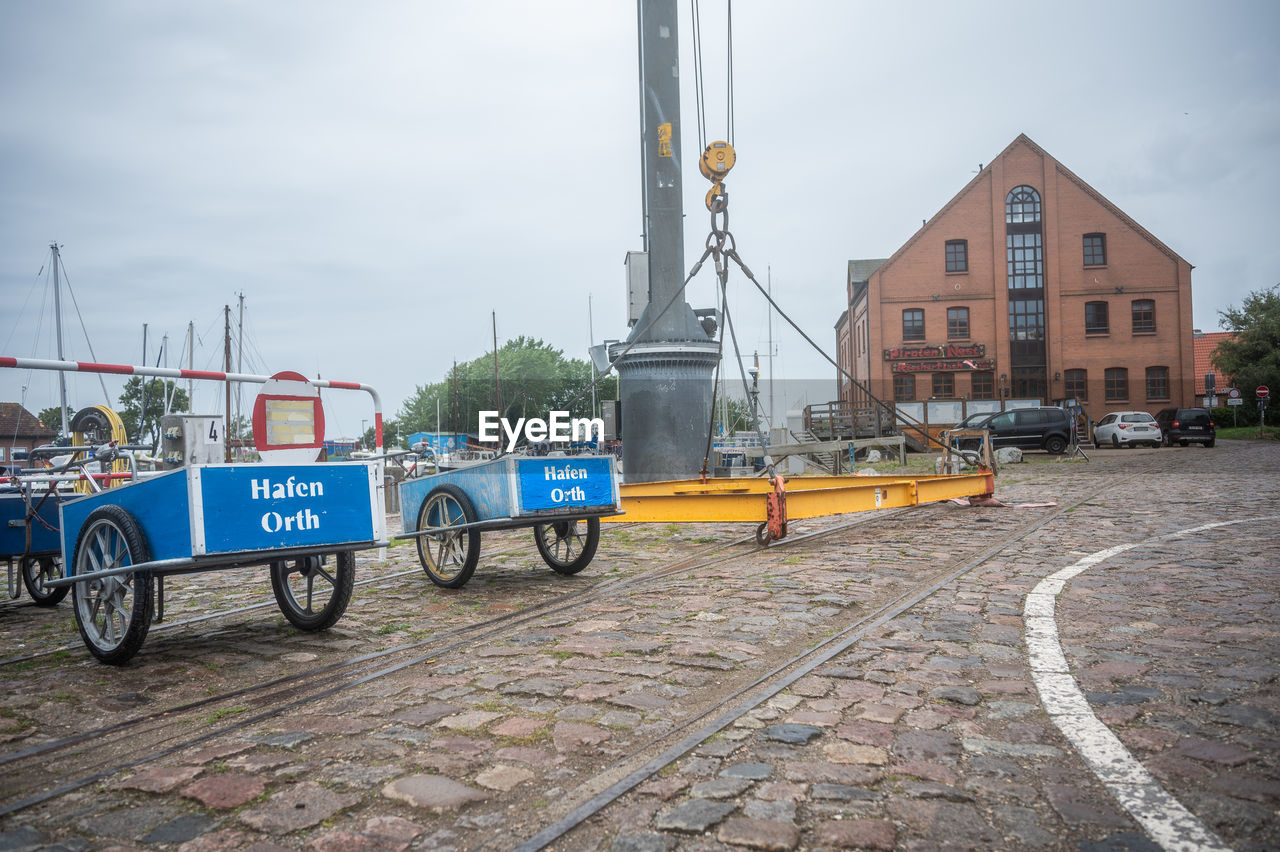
{"x": 928, "y": 732}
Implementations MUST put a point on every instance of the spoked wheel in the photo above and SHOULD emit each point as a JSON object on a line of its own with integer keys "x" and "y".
{"x": 449, "y": 556}
{"x": 568, "y": 546}
{"x": 113, "y": 613}
{"x": 311, "y": 594}
{"x": 38, "y": 570}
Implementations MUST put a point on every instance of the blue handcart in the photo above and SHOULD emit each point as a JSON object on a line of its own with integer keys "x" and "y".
{"x": 117, "y": 544}
{"x": 30, "y": 498}
{"x": 29, "y": 538}
{"x": 562, "y": 498}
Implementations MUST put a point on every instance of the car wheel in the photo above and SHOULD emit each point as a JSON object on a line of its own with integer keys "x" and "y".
{"x": 1115, "y": 441}
{"x": 1209, "y": 443}
{"x": 1055, "y": 445}
{"x": 1182, "y": 443}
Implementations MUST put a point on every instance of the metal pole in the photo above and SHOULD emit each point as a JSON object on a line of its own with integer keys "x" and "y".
{"x": 191, "y": 364}
{"x": 57, "y": 312}
{"x": 226, "y": 347}
{"x": 497, "y": 388}
{"x": 644, "y": 181}
{"x": 772, "y": 421}
{"x": 142, "y": 414}
{"x": 591, "y": 341}
{"x": 663, "y": 167}
{"x": 239, "y": 357}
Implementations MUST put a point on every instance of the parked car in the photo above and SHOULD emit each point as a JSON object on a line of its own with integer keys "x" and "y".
{"x": 973, "y": 421}
{"x": 1184, "y": 425}
{"x": 1045, "y": 428}
{"x": 1127, "y": 428}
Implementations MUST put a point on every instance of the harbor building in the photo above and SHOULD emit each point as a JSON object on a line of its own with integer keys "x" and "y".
{"x": 1029, "y": 284}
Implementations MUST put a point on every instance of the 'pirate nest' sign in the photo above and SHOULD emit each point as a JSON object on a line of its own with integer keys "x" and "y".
{"x": 935, "y": 359}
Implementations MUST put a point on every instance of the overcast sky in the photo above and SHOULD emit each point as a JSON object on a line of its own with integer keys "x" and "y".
{"x": 376, "y": 178}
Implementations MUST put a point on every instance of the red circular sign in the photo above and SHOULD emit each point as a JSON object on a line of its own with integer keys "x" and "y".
{"x": 288, "y": 419}
{"x": 1263, "y": 392}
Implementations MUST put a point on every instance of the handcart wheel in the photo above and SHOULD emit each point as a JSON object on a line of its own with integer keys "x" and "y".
{"x": 113, "y": 613}
{"x": 310, "y": 594}
{"x": 38, "y": 570}
{"x": 568, "y": 546}
{"x": 449, "y": 557}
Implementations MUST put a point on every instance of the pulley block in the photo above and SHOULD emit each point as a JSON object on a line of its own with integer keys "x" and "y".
{"x": 717, "y": 160}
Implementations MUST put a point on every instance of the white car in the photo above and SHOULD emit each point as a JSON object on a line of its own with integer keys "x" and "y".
{"x": 1125, "y": 428}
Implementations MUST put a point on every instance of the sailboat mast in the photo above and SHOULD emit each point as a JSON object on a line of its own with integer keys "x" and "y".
{"x": 226, "y": 356}
{"x": 142, "y": 417}
{"x": 239, "y": 355}
{"x": 591, "y": 341}
{"x": 57, "y": 312}
{"x": 497, "y": 388}
{"x": 191, "y": 362}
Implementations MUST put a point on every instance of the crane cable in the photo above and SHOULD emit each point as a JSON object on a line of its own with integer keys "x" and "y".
{"x": 700, "y": 100}
{"x": 699, "y": 66}
{"x": 729, "y": 74}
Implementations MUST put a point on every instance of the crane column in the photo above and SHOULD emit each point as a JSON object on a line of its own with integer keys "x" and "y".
{"x": 665, "y": 380}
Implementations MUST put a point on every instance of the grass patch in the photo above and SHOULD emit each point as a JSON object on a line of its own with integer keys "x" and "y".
{"x": 1249, "y": 433}
{"x": 218, "y": 715}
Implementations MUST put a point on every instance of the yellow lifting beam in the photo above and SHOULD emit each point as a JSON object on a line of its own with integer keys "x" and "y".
{"x": 746, "y": 499}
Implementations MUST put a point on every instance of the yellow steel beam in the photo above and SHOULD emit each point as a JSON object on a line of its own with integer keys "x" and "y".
{"x": 743, "y": 499}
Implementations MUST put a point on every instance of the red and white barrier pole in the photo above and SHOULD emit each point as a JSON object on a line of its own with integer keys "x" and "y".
{"x": 176, "y": 373}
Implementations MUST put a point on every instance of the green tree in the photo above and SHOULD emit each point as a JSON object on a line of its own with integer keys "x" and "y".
{"x": 391, "y": 436}
{"x": 144, "y": 426}
{"x": 738, "y": 417}
{"x": 534, "y": 379}
{"x": 52, "y": 418}
{"x": 1253, "y": 357}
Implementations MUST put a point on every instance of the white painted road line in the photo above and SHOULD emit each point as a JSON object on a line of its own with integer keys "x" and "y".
{"x": 1163, "y": 817}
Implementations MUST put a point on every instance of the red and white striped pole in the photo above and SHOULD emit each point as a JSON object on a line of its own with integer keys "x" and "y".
{"x": 177, "y": 373}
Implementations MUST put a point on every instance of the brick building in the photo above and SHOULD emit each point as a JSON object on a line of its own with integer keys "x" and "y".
{"x": 1029, "y": 284}
{"x": 20, "y": 431}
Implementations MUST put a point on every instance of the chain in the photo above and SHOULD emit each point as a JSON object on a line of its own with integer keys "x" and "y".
{"x": 721, "y": 246}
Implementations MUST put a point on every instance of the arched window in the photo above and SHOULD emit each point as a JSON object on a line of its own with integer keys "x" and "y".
{"x": 1024, "y": 259}
{"x": 1022, "y": 204}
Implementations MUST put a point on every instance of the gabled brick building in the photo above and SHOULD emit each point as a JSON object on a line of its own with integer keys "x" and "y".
{"x": 20, "y": 430}
{"x": 1029, "y": 284}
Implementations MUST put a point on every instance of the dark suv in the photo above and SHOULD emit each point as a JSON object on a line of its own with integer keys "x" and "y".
{"x": 1184, "y": 425}
{"x": 1047, "y": 429}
